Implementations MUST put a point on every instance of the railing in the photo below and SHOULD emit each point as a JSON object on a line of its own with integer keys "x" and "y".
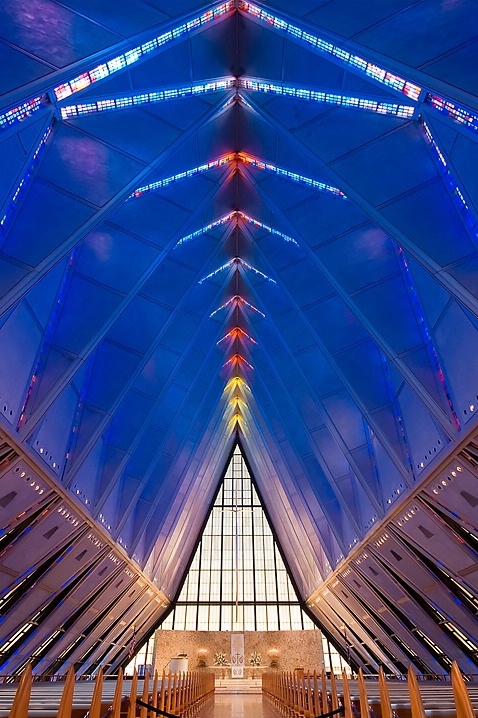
{"x": 308, "y": 695}
{"x": 176, "y": 694}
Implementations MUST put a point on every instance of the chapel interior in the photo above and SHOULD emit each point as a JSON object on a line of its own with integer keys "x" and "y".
{"x": 238, "y": 338}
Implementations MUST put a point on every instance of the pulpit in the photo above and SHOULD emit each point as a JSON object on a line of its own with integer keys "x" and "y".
{"x": 179, "y": 664}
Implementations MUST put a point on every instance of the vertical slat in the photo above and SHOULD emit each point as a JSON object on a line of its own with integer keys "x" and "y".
{"x": 132, "y": 696}
{"x": 143, "y": 712}
{"x": 189, "y": 688}
{"x": 323, "y": 694}
{"x": 316, "y": 710}
{"x": 462, "y": 699}
{"x": 180, "y": 698}
{"x": 66, "y": 702}
{"x": 162, "y": 695}
{"x": 296, "y": 702}
{"x": 293, "y": 685}
{"x": 95, "y": 709}
{"x": 184, "y": 700}
{"x": 184, "y": 704}
{"x": 305, "y": 682}
{"x": 308, "y": 695}
{"x": 416, "y": 705}
{"x": 385, "y": 705}
{"x": 21, "y": 701}
{"x": 364, "y": 709}
{"x": 333, "y": 692}
{"x": 116, "y": 711}
{"x": 192, "y": 689}
{"x": 154, "y": 695}
{"x": 300, "y": 693}
{"x": 346, "y": 691}
{"x": 169, "y": 693}
{"x": 174, "y": 684}
{"x": 178, "y": 691}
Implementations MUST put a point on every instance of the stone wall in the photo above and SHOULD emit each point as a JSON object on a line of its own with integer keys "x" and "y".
{"x": 285, "y": 650}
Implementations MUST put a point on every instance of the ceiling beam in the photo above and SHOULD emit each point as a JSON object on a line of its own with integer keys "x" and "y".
{"x": 17, "y": 292}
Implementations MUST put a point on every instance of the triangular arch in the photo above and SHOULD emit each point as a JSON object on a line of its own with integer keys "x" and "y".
{"x": 237, "y": 579}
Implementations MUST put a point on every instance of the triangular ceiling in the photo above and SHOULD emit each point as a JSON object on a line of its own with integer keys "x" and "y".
{"x": 291, "y": 259}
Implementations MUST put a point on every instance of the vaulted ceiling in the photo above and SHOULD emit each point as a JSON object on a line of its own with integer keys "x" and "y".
{"x": 256, "y": 223}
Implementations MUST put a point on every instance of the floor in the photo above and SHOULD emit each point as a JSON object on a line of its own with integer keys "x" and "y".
{"x": 238, "y": 685}
{"x": 238, "y": 705}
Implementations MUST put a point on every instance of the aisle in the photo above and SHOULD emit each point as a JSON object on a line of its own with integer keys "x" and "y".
{"x": 238, "y": 705}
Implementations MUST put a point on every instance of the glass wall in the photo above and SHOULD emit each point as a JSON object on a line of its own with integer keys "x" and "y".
{"x": 237, "y": 580}
{"x": 143, "y": 660}
{"x": 333, "y": 661}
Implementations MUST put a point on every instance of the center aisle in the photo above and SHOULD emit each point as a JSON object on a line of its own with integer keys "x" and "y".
{"x": 238, "y": 705}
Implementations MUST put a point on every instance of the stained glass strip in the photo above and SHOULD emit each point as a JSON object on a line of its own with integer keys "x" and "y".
{"x": 331, "y": 98}
{"x": 370, "y": 69}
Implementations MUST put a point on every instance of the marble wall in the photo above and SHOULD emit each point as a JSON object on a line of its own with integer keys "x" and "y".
{"x": 285, "y": 650}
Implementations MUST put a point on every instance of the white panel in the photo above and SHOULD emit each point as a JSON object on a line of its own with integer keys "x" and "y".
{"x": 435, "y": 538}
{"x": 81, "y": 553}
{"x": 336, "y": 602}
{"x": 50, "y": 532}
{"x": 358, "y": 585}
{"x": 456, "y": 489}
{"x": 421, "y": 431}
{"x": 107, "y": 597}
{"x": 24, "y": 610}
{"x": 383, "y": 583}
{"x": 423, "y": 582}
{"x": 19, "y": 492}
{"x": 70, "y": 605}
{"x": 51, "y": 439}
{"x": 136, "y": 603}
{"x": 457, "y": 344}
{"x": 19, "y": 338}
{"x": 50, "y": 583}
{"x": 367, "y": 618}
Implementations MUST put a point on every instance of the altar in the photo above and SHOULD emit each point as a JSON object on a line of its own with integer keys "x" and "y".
{"x": 237, "y": 655}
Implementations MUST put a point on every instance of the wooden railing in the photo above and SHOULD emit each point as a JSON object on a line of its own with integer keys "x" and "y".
{"x": 176, "y": 694}
{"x": 309, "y": 695}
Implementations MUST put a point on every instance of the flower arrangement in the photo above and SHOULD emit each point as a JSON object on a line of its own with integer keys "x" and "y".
{"x": 220, "y": 659}
{"x": 255, "y": 659}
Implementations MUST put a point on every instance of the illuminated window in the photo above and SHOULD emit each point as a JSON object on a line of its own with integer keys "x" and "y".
{"x": 237, "y": 580}
{"x": 144, "y": 659}
{"x": 379, "y": 74}
{"x": 136, "y": 54}
{"x": 302, "y": 93}
{"x": 146, "y": 98}
{"x": 333, "y": 661}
